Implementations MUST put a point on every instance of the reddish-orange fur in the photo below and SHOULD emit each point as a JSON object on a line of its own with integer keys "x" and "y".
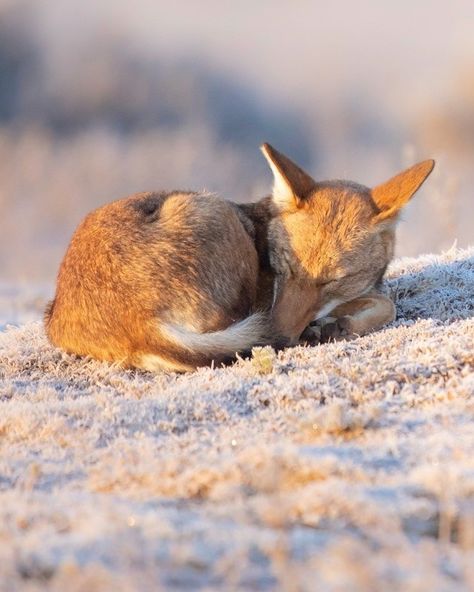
{"x": 176, "y": 280}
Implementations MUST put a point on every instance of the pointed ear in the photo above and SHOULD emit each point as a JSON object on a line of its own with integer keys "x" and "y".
{"x": 291, "y": 185}
{"x": 392, "y": 195}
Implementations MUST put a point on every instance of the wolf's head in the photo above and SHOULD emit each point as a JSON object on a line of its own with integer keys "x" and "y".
{"x": 337, "y": 234}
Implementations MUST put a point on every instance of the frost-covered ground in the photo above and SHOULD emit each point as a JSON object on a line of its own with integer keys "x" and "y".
{"x": 346, "y": 466}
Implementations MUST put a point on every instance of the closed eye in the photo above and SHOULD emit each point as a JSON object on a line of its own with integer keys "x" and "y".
{"x": 325, "y": 283}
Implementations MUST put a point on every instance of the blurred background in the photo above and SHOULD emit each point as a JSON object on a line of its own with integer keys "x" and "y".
{"x": 102, "y": 99}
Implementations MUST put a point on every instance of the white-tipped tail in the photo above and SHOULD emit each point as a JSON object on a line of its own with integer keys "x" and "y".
{"x": 240, "y": 336}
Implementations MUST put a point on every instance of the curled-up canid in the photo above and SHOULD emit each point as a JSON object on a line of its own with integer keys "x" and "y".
{"x": 177, "y": 280}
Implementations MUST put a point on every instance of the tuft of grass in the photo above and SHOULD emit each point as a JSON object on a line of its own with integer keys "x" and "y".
{"x": 263, "y": 359}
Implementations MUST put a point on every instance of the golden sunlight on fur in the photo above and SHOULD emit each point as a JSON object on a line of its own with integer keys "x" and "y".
{"x": 177, "y": 280}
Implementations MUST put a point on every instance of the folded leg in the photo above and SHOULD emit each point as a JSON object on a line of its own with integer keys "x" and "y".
{"x": 352, "y": 319}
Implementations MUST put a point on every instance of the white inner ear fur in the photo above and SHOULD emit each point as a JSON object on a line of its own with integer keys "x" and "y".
{"x": 282, "y": 192}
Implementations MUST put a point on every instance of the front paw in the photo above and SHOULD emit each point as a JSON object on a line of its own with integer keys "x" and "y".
{"x": 333, "y": 329}
{"x": 329, "y": 329}
{"x": 311, "y": 335}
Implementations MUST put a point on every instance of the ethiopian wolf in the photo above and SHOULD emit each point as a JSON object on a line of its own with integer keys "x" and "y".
{"x": 177, "y": 280}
